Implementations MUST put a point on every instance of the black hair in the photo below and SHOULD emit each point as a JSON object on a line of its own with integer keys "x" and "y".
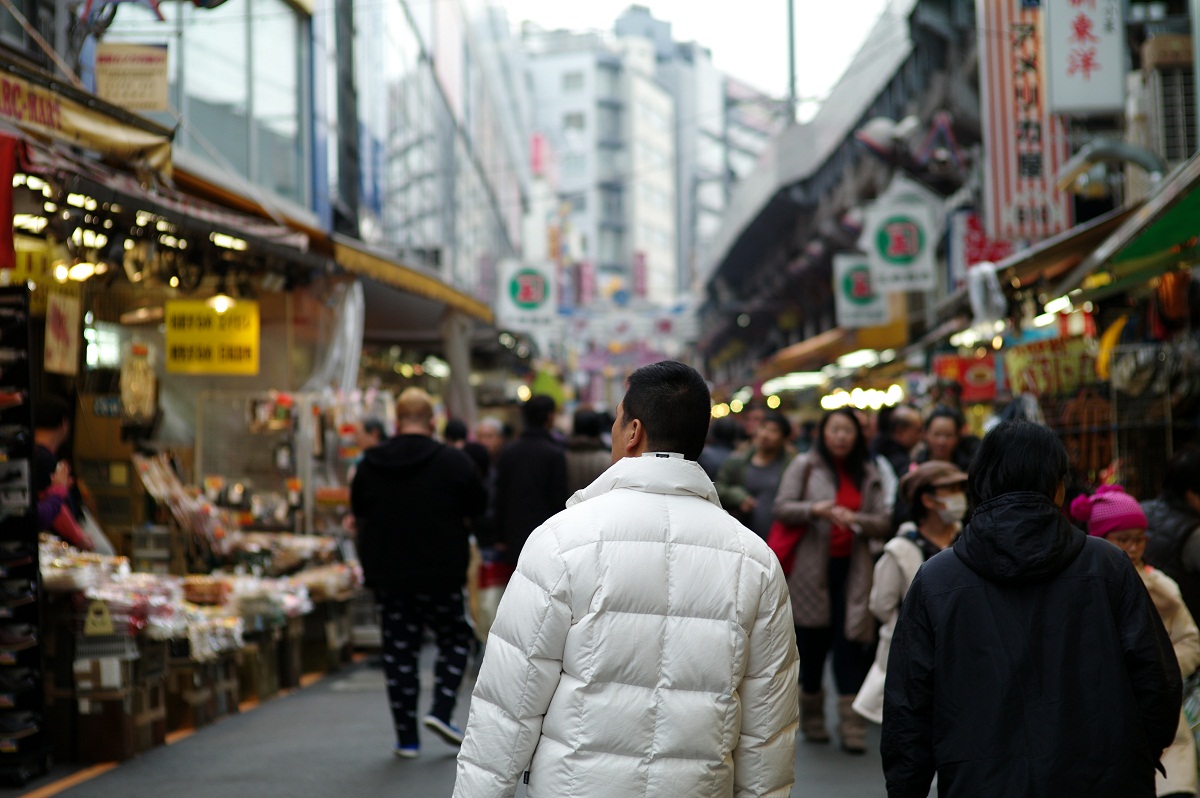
{"x": 587, "y": 424}
{"x": 724, "y": 431}
{"x": 373, "y": 426}
{"x": 1017, "y": 456}
{"x": 781, "y": 421}
{"x": 51, "y": 412}
{"x": 917, "y": 509}
{"x": 856, "y": 461}
{"x": 456, "y": 430}
{"x": 1183, "y": 474}
{"x": 943, "y": 411}
{"x": 537, "y": 411}
{"x": 672, "y": 402}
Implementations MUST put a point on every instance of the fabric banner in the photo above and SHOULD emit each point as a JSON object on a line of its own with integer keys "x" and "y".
{"x": 1024, "y": 144}
{"x": 62, "y": 334}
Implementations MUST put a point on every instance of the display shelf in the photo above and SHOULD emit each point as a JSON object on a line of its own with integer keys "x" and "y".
{"x": 24, "y": 750}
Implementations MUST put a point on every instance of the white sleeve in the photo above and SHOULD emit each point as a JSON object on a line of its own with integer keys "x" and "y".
{"x": 519, "y": 675}
{"x": 764, "y": 758}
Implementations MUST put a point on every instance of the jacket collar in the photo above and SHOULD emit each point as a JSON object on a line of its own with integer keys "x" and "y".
{"x": 673, "y": 476}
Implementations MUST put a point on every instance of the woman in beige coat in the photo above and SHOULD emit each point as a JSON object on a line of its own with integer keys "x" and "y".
{"x": 835, "y": 491}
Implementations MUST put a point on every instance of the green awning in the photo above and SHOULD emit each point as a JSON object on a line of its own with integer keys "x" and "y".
{"x": 1159, "y": 236}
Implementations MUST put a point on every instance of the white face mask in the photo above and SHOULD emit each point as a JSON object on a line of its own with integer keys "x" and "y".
{"x": 955, "y": 507}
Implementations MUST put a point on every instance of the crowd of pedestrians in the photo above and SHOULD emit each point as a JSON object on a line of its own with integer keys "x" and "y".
{"x": 683, "y": 596}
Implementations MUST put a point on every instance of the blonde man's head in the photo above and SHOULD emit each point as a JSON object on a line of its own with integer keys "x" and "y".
{"x": 414, "y": 411}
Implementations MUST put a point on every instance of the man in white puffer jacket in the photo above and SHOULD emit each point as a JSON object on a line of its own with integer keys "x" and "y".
{"x": 645, "y": 645}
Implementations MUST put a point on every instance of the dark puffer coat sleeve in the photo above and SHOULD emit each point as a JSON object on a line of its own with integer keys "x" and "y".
{"x": 907, "y": 745}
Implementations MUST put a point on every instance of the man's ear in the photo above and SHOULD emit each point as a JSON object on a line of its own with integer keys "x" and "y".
{"x": 633, "y": 438}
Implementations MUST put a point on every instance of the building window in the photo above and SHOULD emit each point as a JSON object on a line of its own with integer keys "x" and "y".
{"x": 238, "y": 78}
{"x": 574, "y": 165}
{"x": 573, "y": 121}
{"x": 572, "y": 81}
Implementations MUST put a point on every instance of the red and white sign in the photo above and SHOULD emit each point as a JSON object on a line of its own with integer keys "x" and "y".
{"x": 1085, "y": 56}
{"x": 969, "y": 244}
{"x": 977, "y": 376}
{"x": 1024, "y": 144}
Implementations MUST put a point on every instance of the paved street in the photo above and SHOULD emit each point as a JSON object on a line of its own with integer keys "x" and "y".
{"x": 333, "y": 738}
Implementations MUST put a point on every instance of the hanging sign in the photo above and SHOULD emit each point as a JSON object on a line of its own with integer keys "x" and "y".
{"x": 1085, "y": 56}
{"x": 901, "y": 243}
{"x": 205, "y": 337}
{"x": 856, "y": 301}
{"x": 62, "y": 334}
{"x": 133, "y": 76}
{"x": 1024, "y": 145}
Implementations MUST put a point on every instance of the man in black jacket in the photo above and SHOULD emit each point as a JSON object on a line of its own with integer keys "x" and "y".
{"x": 411, "y": 497}
{"x": 1028, "y": 659}
{"x": 531, "y": 478}
{"x": 1172, "y": 544}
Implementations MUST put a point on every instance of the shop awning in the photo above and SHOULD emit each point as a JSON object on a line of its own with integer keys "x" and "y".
{"x": 191, "y": 215}
{"x": 43, "y": 106}
{"x": 1161, "y": 234}
{"x": 354, "y": 257}
{"x": 810, "y": 354}
{"x": 1055, "y": 256}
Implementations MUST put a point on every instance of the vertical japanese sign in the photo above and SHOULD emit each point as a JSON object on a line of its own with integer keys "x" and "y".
{"x": 901, "y": 240}
{"x": 1085, "y": 56}
{"x": 1023, "y": 143}
{"x": 856, "y": 301}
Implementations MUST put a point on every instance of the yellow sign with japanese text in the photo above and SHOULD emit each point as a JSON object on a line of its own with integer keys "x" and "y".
{"x": 212, "y": 336}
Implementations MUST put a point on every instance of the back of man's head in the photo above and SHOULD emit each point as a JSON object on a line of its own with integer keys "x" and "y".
{"x": 724, "y": 431}
{"x": 537, "y": 411}
{"x": 1017, "y": 456}
{"x": 586, "y": 424}
{"x": 51, "y": 413}
{"x": 1183, "y": 474}
{"x": 672, "y": 402}
{"x": 455, "y": 431}
{"x": 414, "y": 409}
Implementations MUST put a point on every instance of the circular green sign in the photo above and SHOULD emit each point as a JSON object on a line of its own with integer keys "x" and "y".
{"x": 528, "y": 289}
{"x": 856, "y": 285}
{"x": 900, "y": 240}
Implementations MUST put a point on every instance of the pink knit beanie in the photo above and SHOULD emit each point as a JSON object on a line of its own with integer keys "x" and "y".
{"x": 1109, "y": 509}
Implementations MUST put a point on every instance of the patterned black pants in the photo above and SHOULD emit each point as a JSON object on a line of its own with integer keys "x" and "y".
{"x": 403, "y": 619}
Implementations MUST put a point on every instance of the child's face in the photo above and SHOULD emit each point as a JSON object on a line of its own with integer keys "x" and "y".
{"x": 1131, "y": 541}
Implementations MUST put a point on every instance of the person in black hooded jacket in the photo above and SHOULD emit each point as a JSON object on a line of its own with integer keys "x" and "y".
{"x": 1028, "y": 659}
{"x": 411, "y": 497}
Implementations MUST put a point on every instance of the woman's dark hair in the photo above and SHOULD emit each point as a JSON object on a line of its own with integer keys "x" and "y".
{"x": 455, "y": 430}
{"x": 537, "y": 411}
{"x": 373, "y": 426}
{"x": 1183, "y": 474}
{"x": 673, "y": 404}
{"x": 942, "y": 411}
{"x": 856, "y": 461}
{"x": 724, "y": 431}
{"x": 781, "y": 421}
{"x": 1017, "y": 456}
{"x": 51, "y": 412}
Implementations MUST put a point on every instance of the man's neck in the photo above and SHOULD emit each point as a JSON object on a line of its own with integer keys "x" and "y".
{"x": 47, "y": 438}
{"x": 937, "y": 531}
{"x": 764, "y": 457}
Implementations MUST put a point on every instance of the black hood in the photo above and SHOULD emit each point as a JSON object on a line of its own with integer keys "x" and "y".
{"x": 1018, "y": 538}
{"x": 403, "y": 452}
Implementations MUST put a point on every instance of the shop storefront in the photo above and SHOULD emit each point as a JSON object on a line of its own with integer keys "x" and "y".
{"x": 210, "y": 359}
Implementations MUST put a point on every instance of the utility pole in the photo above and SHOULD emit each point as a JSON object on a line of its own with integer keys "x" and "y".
{"x": 791, "y": 100}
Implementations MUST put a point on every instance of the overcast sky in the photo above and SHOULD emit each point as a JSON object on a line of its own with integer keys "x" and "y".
{"x": 748, "y": 38}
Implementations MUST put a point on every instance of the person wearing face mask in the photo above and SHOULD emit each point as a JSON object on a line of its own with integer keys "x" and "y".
{"x": 836, "y": 492}
{"x": 935, "y": 493}
{"x": 1112, "y": 514}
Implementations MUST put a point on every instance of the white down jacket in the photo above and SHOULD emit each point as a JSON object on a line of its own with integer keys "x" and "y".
{"x": 644, "y": 647}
